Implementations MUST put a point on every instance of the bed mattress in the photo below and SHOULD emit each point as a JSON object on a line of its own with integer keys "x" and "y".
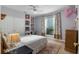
{"x": 35, "y": 42}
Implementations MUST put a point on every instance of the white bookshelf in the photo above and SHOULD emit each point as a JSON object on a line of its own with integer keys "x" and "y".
{"x": 29, "y": 24}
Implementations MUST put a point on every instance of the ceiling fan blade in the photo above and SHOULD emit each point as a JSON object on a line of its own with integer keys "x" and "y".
{"x": 33, "y": 8}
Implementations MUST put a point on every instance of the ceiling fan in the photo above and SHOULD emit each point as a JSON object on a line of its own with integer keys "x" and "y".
{"x": 34, "y": 7}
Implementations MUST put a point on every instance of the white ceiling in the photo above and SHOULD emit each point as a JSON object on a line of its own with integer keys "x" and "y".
{"x": 41, "y": 9}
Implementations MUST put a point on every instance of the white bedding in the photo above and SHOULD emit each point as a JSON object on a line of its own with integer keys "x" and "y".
{"x": 35, "y": 42}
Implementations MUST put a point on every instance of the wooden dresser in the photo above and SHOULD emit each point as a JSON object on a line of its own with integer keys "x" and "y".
{"x": 71, "y": 37}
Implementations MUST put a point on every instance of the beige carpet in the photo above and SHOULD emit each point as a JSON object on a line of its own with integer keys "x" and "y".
{"x": 54, "y": 47}
{"x": 51, "y": 48}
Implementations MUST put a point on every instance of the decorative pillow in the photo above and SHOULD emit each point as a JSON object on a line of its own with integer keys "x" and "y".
{"x": 14, "y": 37}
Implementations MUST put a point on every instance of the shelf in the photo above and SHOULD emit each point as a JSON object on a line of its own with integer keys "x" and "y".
{"x": 27, "y": 20}
{"x": 32, "y": 23}
{"x": 29, "y": 24}
{"x": 27, "y": 31}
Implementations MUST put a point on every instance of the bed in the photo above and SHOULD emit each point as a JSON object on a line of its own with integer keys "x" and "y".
{"x": 35, "y": 42}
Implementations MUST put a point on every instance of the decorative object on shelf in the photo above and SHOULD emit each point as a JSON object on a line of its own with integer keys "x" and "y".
{"x": 2, "y": 16}
{"x": 27, "y": 22}
{"x": 27, "y": 16}
{"x": 27, "y": 28}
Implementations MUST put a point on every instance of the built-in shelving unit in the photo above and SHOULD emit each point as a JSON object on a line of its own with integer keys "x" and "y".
{"x": 32, "y": 25}
{"x": 29, "y": 24}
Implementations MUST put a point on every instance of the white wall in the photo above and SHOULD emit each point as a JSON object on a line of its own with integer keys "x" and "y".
{"x": 13, "y": 22}
{"x": 37, "y": 24}
{"x": 67, "y": 23}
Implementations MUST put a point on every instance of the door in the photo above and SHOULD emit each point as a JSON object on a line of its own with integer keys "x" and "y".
{"x": 71, "y": 38}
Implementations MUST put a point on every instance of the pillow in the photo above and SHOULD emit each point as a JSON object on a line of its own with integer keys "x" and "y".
{"x": 14, "y": 37}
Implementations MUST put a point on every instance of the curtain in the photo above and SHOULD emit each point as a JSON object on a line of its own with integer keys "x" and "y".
{"x": 42, "y": 25}
{"x": 58, "y": 29}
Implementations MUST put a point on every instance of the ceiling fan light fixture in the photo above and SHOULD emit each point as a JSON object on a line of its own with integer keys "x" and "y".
{"x": 34, "y": 12}
{"x": 34, "y": 9}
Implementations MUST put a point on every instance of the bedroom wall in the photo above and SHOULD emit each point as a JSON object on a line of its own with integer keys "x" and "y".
{"x": 13, "y": 22}
{"x": 37, "y": 26}
{"x": 67, "y": 23}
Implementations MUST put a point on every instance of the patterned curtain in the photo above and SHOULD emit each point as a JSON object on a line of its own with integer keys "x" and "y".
{"x": 42, "y": 25}
{"x": 58, "y": 31}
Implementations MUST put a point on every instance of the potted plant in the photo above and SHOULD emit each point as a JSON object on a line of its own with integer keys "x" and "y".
{"x": 50, "y": 31}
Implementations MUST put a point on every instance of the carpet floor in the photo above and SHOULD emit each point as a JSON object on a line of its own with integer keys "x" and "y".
{"x": 54, "y": 47}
